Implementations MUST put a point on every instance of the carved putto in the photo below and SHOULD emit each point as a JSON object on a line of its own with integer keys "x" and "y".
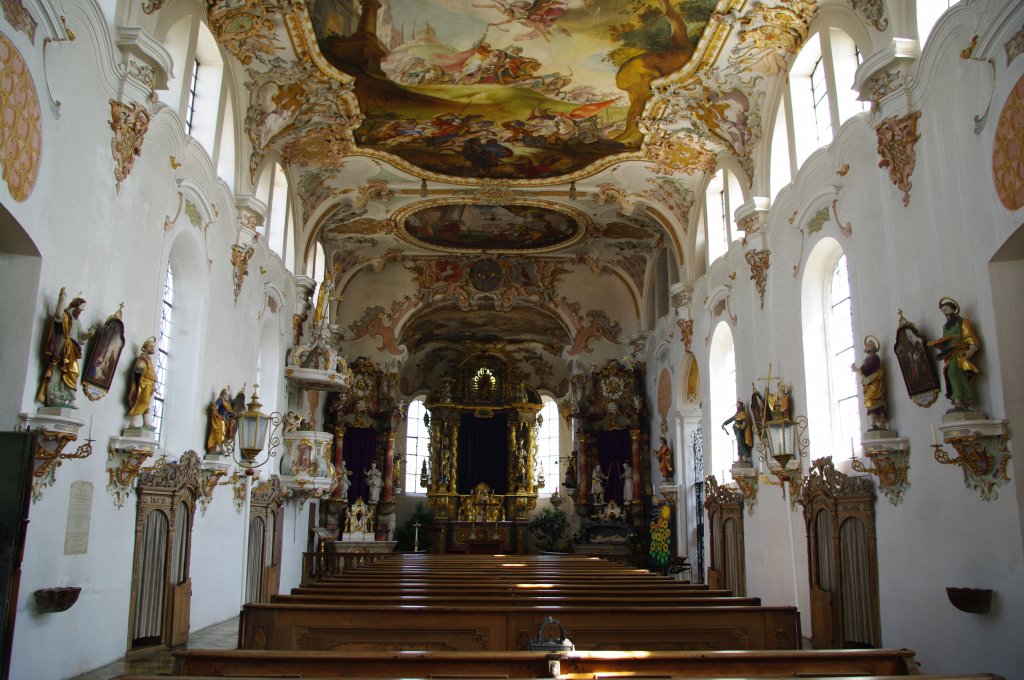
{"x": 129, "y": 123}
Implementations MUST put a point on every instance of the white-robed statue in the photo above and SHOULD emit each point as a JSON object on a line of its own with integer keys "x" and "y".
{"x": 374, "y": 483}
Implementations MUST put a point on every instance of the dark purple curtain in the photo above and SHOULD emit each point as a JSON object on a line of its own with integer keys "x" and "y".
{"x": 614, "y": 449}
{"x": 483, "y": 454}
{"x": 360, "y": 451}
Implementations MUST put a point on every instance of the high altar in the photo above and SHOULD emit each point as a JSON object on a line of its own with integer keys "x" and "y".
{"x": 481, "y": 483}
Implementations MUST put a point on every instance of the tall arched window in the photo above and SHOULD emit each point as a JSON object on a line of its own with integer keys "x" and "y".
{"x": 928, "y": 14}
{"x": 316, "y": 265}
{"x": 163, "y": 349}
{"x": 716, "y": 219}
{"x": 547, "y": 444}
{"x": 417, "y": 445}
{"x": 722, "y": 383}
{"x": 278, "y": 214}
{"x": 828, "y": 343}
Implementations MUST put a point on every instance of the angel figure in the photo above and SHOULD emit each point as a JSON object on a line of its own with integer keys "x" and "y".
{"x": 537, "y": 15}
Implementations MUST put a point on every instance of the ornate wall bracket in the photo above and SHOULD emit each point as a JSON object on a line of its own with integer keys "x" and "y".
{"x": 240, "y": 256}
{"x": 789, "y": 474}
{"x": 759, "y": 261}
{"x": 746, "y": 479}
{"x": 889, "y": 461}
{"x": 984, "y": 456}
{"x": 896, "y": 139}
{"x": 129, "y": 123}
{"x": 125, "y": 457}
{"x": 238, "y": 481}
{"x": 209, "y": 481}
{"x": 54, "y": 429}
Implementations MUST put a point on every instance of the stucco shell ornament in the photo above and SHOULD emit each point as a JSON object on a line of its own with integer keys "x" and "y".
{"x": 20, "y": 128}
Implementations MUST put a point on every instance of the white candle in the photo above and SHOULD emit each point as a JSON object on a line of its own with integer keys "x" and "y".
{"x": 853, "y": 449}
{"x": 92, "y": 419}
{"x": 935, "y": 436}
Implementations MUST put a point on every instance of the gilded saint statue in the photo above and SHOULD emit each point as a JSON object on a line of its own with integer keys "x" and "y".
{"x": 143, "y": 385}
{"x": 664, "y": 456}
{"x": 957, "y": 348}
{"x": 744, "y": 431}
{"x": 872, "y": 380}
{"x": 64, "y": 353}
{"x": 223, "y": 412}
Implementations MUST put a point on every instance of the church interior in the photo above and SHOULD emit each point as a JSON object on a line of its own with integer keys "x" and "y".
{"x": 718, "y": 289}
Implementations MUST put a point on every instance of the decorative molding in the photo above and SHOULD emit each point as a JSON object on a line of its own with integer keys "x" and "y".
{"x": 983, "y": 453}
{"x": 209, "y": 481}
{"x": 240, "y": 256}
{"x": 844, "y": 229}
{"x": 685, "y": 332}
{"x": 896, "y": 139}
{"x": 1014, "y": 46}
{"x": 874, "y": 12}
{"x": 1007, "y": 165}
{"x": 373, "y": 190}
{"x": 172, "y": 475}
{"x": 759, "y": 261}
{"x": 54, "y": 429}
{"x": 129, "y": 123}
{"x": 19, "y": 18}
{"x": 21, "y": 136}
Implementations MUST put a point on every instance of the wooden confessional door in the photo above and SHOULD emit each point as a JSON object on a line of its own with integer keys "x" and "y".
{"x": 161, "y": 585}
{"x": 839, "y": 515}
{"x": 15, "y": 484}
{"x": 725, "y": 517}
{"x": 263, "y": 571}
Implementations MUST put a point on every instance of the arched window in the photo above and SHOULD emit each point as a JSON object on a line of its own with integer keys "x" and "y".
{"x": 820, "y": 90}
{"x": 722, "y": 383}
{"x": 782, "y": 169}
{"x": 278, "y": 213}
{"x": 828, "y": 343}
{"x": 163, "y": 349}
{"x": 928, "y": 14}
{"x": 317, "y": 264}
{"x": 716, "y": 220}
{"x": 417, "y": 445}
{"x": 548, "y": 444}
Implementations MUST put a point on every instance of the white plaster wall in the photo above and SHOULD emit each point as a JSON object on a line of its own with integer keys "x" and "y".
{"x": 112, "y": 246}
{"x": 943, "y": 534}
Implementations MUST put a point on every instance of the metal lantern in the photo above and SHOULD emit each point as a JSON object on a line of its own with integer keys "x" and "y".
{"x": 252, "y": 428}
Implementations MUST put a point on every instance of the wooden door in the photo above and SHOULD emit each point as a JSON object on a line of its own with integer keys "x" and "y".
{"x": 180, "y": 612}
{"x": 821, "y": 619}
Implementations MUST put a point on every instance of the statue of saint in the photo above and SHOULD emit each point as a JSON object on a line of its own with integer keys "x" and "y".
{"x": 664, "y": 455}
{"x": 627, "y": 483}
{"x": 223, "y": 412}
{"x": 64, "y": 354}
{"x": 374, "y": 483}
{"x": 741, "y": 427}
{"x": 143, "y": 385}
{"x": 597, "y": 480}
{"x": 957, "y": 347}
{"x": 344, "y": 481}
{"x": 872, "y": 380}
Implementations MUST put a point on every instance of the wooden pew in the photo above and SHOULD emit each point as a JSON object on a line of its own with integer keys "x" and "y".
{"x": 503, "y": 628}
{"x": 803, "y": 663}
{"x": 516, "y": 600}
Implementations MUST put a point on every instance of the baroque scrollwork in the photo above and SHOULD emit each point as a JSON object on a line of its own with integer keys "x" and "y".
{"x": 759, "y": 261}
{"x": 129, "y": 123}
{"x": 240, "y": 256}
{"x": 896, "y": 139}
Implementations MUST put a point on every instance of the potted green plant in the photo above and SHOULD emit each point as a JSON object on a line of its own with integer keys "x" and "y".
{"x": 549, "y": 528}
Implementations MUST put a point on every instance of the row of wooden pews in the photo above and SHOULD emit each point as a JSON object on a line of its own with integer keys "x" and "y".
{"x": 434, "y": 616}
{"x": 495, "y": 603}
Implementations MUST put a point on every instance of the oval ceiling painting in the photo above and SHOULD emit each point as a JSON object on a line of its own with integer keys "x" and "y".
{"x": 493, "y": 228}
{"x": 521, "y": 89}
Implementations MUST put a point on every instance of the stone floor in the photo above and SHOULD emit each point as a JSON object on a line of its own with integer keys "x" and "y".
{"x": 158, "y": 661}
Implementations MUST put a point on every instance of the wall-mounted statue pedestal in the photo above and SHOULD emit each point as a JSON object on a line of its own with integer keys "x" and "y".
{"x": 889, "y": 458}
{"x": 125, "y": 456}
{"x": 746, "y": 477}
{"x": 982, "y": 448}
{"x": 54, "y": 427}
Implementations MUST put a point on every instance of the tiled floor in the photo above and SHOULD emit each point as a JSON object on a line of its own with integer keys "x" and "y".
{"x": 222, "y": 635}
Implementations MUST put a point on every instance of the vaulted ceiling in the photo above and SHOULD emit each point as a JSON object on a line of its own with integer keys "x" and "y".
{"x": 524, "y": 160}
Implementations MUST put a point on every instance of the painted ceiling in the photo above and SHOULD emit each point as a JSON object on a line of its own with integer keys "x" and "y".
{"x": 436, "y": 145}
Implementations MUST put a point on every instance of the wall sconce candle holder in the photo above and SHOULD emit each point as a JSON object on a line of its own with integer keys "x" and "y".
{"x": 890, "y": 461}
{"x": 746, "y": 478}
{"x": 983, "y": 454}
{"x": 54, "y": 429}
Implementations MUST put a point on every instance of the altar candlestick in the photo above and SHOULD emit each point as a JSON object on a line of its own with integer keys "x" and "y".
{"x": 853, "y": 449}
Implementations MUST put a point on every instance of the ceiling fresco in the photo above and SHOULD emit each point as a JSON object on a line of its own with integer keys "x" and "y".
{"x": 508, "y": 88}
{"x": 502, "y": 155}
{"x": 491, "y": 227}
